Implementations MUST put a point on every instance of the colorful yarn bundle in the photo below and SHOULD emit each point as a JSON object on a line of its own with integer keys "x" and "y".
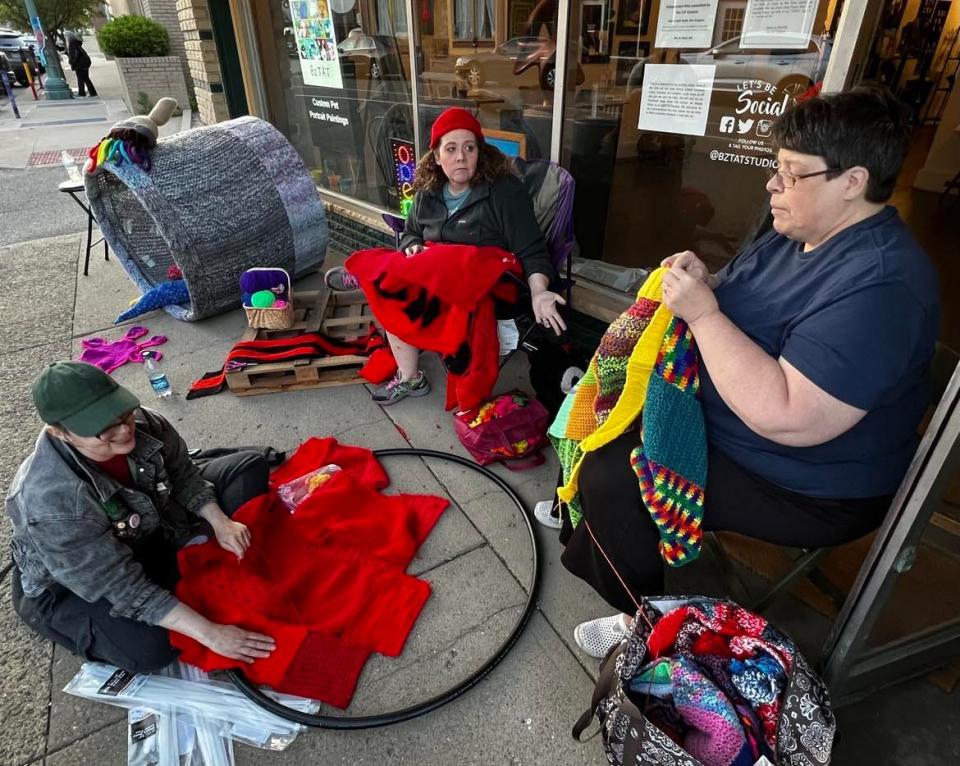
{"x": 132, "y": 139}
{"x": 118, "y": 151}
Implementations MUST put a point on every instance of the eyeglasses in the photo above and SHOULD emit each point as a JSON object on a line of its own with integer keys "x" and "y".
{"x": 789, "y": 180}
{"x": 126, "y": 419}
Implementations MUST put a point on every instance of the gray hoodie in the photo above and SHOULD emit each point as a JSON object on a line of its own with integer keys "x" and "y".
{"x": 63, "y": 510}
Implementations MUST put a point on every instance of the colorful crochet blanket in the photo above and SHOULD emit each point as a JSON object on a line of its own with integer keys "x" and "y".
{"x": 715, "y": 681}
{"x": 645, "y": 372}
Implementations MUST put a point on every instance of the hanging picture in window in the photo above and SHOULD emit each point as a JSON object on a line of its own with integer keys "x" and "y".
{"x": 316, "y": 43}
{"x": 781, "y": 24}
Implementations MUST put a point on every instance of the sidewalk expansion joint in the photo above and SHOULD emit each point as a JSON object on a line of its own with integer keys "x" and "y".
{"x": 451, "y": 559}
{"x": 63, "y": 746}
{"x": 450, "y": 644}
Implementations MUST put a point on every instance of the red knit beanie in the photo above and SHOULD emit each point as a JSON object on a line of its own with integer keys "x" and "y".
{"x": 454, "y": 118}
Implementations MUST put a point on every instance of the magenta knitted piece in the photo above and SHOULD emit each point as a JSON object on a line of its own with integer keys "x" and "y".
{"x": 108, "y": 355}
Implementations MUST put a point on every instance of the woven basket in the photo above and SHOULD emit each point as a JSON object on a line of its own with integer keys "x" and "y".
{"x": 271, "y": 318}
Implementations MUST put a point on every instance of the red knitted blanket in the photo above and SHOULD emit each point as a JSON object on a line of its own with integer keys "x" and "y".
{"x": 442, "y": 300}
{"x": 327, "y": 582}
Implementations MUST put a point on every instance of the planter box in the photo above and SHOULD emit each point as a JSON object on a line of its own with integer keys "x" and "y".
{"x": 155, "y": 77}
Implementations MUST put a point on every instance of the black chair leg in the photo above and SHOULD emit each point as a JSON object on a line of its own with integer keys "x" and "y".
{"x": 807, "y": 561}
{"x": 86, "y": 259}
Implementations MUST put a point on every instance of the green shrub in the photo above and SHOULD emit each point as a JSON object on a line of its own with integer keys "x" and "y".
{"x": 133, "y": 37}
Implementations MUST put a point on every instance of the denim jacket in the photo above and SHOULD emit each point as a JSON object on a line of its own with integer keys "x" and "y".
{"x": 65, "y": 514}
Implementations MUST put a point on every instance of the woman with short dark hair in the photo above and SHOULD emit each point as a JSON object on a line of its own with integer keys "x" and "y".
{"x": 814, "y": 351}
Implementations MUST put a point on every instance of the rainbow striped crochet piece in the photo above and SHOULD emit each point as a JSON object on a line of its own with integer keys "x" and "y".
{"x": 671, "y": 464}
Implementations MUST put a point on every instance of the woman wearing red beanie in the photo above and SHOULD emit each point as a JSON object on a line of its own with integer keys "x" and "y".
{"x": 467, "y": 194}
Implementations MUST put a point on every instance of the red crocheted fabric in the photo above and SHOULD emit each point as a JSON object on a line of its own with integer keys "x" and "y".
{"x": 326, "y": 582}
{"x": 443, "y": 300}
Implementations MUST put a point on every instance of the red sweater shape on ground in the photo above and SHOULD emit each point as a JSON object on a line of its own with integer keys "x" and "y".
{"x": 326, "y": 582}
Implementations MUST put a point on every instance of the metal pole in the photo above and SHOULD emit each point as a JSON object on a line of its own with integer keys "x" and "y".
{"x": 56, "y": 87}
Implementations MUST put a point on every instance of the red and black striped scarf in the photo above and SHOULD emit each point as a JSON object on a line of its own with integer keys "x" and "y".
{"x": 311, "y": 345}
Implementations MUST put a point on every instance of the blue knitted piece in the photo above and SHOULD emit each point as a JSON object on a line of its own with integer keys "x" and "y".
{"x": 164, "y": 294}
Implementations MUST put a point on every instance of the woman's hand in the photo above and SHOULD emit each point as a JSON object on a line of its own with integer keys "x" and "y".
{"x": 689, "y": 262}
{"x": 546, "y": 312}
{"x": 232, "y": 536}
{"x": 687, "y": 296}
{"x": 413, "y": 250}
{"x": 237, "y": 643}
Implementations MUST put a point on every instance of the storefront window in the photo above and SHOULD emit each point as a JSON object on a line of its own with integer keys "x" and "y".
{"x": 668, "y": 119}
{"x": 337, "y": 75}
{"x": 473, "y": 20}
{"x": 506, "y": 82}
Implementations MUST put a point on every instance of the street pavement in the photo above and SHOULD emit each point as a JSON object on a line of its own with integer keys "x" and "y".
{"x": 478, "y": 558}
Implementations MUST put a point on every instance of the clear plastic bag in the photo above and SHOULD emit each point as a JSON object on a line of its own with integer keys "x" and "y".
{"x": 295, "y": 492}
{"x": 220, "y": 709}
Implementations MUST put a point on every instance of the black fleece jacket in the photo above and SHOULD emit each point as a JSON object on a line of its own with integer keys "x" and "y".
{"x": 498, "y": 215}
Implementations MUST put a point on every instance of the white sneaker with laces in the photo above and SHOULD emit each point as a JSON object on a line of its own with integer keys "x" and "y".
{"x": 598, "y": 637}
{"x": 543, "y": 512}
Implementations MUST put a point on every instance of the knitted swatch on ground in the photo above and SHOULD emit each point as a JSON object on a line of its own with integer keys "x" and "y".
{"x": 671, "y": 464}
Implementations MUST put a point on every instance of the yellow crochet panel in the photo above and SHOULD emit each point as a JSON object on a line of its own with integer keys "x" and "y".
{"x": 631, "y": 400}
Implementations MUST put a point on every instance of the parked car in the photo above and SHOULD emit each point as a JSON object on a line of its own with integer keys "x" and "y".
{"x": 514, "y": 58}
{"x": 11, "y": 43}
{"x": 5, "y": 67}
{"x": 791, "y": 70}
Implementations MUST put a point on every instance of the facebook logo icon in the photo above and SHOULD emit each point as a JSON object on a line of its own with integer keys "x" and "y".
{"x": 727, "y": 124}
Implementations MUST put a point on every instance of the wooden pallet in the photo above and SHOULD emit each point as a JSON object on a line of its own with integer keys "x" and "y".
{"x": 344, "y": 316}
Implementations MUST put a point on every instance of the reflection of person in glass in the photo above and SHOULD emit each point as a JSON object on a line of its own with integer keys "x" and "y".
{"x": 814, "y": 345}
{"x": 467, "y": 193}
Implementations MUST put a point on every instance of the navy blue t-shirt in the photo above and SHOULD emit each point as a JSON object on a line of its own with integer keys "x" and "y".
{"x": 858, "y": 316}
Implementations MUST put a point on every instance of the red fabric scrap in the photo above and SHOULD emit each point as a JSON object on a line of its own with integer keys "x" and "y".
{"x": 326, "y": 582}
{"x": 443, "y": 300}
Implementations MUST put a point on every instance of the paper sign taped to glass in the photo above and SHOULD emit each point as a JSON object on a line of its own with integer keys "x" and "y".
{"x": 781, "y": 24}
{"x": 316, "y": 43}
{"x": 676, "y": 98}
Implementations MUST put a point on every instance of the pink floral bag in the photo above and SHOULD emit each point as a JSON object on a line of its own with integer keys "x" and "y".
{"x": 510, "y": 428}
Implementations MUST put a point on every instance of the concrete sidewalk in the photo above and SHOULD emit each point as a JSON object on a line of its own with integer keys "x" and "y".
{"x": 45, "y": 128}
{"x": 478, "y": 560}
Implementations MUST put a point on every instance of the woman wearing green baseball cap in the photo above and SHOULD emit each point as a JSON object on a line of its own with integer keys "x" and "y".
{"x": 99, "y": 509}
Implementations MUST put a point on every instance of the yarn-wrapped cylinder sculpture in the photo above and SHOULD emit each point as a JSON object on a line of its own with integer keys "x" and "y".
{"x": 217, "y": 201}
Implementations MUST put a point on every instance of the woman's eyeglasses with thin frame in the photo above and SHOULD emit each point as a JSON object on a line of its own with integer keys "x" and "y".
{"x": 789, "y": 180}
{"x": 126, "y": 419}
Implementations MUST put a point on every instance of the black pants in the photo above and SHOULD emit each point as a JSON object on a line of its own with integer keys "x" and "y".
{"x": 736, "y": 501}
{"x": 83, "y": 82}
{"x": 89, "y": 630}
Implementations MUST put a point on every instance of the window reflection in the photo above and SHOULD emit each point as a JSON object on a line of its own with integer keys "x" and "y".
{"x": 644, "y": 194}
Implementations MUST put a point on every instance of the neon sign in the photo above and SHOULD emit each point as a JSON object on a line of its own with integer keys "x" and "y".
{"x": 404, "y": 166}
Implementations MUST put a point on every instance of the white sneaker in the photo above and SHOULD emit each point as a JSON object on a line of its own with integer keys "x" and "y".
{"x": 598, "y": 637}
{"x": 543, "y": 512}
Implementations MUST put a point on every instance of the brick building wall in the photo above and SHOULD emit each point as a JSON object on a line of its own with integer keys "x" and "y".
{"x": 203, "y": 63}
{"x": 164, "y": 12}
{"x": 155, "y": 77}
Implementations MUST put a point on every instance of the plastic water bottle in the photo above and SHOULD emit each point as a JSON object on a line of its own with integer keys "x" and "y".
{"x": 73, "y": 172}
{"x": 156, "y": 376}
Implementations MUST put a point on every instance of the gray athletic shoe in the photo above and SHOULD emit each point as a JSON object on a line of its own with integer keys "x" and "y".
{"x": 340, "y": 280}
{"x": 397, "y": 389}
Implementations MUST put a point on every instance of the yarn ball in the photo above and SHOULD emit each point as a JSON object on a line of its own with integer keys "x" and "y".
{"x": 262, "y": 299}
{"x": 279, "y": 303}
{"x": 174, "y": 272}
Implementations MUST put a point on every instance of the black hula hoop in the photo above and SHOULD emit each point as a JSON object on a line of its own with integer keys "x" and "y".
{"x": 385, "y": 719}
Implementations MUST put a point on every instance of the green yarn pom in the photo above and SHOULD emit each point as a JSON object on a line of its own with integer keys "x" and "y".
{"x": 262, "y": 299}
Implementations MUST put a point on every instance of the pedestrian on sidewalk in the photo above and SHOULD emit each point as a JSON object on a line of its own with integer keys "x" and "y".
{"x": 80, "y": 63}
